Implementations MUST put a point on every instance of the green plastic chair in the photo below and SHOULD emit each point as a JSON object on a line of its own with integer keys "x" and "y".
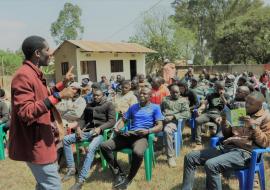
{"x": 85, "y": 143}
{"x": 148, "y": 156}
{"x": 3, "y": 136}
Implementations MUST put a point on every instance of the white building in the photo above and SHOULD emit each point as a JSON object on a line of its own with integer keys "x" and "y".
{"x": 94, "y": 59}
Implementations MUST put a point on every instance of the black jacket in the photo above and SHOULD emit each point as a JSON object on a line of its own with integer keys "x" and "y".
{"x": 100, "y": 115}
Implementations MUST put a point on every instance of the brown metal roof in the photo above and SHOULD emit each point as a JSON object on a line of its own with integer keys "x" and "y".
{"x": 119, "y": 47}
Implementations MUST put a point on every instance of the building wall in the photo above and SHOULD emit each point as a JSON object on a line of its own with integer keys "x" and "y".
{"x": 103, "y": 65}
{"x": 67, "y": 53}
{"x": 256, "y": 69}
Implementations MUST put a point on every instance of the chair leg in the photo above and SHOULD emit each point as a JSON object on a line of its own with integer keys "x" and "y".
{"x": 176, "y": 144}
{"x": 78, "y": 154}
{"x": 2, "y": 147}
{"x": 261, "y": 176}
{"x": 242, "y": 177}
{"x": 147, "y": 164}
{"x": 103, "y": 161}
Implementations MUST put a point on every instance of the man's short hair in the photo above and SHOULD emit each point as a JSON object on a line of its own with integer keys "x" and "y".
{"x": 258, "y": 96}
{"x": 219, "y": 84}
{"x": 31, "y": 44}
{"x": 125, "y": 82}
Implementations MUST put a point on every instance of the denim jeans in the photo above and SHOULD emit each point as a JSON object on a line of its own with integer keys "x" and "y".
{"x": 46, "y": 176}
{"x": 94, "y": 144}
{"x": 215, "y": 162}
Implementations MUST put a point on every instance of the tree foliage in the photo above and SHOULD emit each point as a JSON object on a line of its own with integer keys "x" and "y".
{"x": 205, "y": 18}
{"x": 157, "y": 31}
{"x": 245, "y": 39}
{"x": 68, "y": 24}
{"x": 11, "y": 61}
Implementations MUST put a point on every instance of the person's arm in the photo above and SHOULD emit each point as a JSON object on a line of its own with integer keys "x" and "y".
{"x": 260, "y": 134}
{"x": 110, "y": 119}
{"x": 5, "y": 112}
{"x": 203, "y": 106}
{"x": 157, "y": 128}
{"x": 183, "y": 111}
{"x": 28, "y": 108}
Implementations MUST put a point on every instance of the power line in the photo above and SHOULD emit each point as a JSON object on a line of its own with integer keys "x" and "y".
{"x": 124, "y": 27}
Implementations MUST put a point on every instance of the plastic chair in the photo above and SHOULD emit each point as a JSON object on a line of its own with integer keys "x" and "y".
{"x": 2, "y": 138}
{"x": 192, "y": 123}
{"x": 178, "y": 142}
{"x": 246, "y": 176}
{"x": 86, "y": 143}
{"x": 148, "y": 156}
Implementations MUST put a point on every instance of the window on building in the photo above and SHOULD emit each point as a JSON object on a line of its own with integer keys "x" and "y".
{"x": 117, "y": 66}
{"x": 64, "y": 67}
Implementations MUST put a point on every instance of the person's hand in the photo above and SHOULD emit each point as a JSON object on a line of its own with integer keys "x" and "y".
{"x": 221, "y": 92}
{"x": 142, "y": 132}
{"x": 199, "y": 111}
{"x": 78, "y": 133}
{"x": 68, "y": 92}
{"x": 116, "y": 130}
{"x": 97, "y": 130}
{"x": 249, "y": 122}
{"x": 69, "y": 76}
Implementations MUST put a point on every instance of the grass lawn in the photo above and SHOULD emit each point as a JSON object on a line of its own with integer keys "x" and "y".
{"x": 17, "y": 176}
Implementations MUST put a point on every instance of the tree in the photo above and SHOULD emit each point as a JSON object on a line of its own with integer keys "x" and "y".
{"x": 244, "y": 39}
{"x": 68, "y": 25}
{"x": 11, "y": 61}
{"x": 157, "y": 31}
{"x": 204, "y": 17}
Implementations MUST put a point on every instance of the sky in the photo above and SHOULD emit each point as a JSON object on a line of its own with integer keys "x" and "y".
{"x": 103, "y": 20}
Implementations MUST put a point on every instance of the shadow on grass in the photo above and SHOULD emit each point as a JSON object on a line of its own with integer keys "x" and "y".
{"x": 199, "y": 184}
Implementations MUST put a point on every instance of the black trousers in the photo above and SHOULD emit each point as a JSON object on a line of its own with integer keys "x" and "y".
{"x": 138, "y": 145}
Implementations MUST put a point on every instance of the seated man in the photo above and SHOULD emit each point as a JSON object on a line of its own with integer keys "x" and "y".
{"x": 4, "y": 110}
{"x": 199, "y": 90}
{"x": 215, "y": 102}
{"x": 100, "y": 115}
{"x": 189, "y": 94}
{"x": 173, "y": 108}
{"x": 124, "y": 100}
{"x": 72, "y": 109}
{"x": 240, "y": 98}
{"x": 145, "y": 118}
{"x": 235, "y": 151}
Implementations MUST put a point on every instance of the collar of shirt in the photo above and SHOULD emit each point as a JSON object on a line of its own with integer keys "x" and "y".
{"x": 36, "y": 69}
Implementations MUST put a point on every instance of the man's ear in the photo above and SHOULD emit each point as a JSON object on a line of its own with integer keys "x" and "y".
{"x": 37, "y": 53}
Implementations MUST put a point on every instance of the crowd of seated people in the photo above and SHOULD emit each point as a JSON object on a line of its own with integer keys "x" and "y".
{"x": 149, "y": 105}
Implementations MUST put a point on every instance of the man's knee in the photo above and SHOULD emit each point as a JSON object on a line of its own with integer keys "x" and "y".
{"x": 139, "y": 152}
{"x": 190, "y": 157}
{"x": 210, "y": 166}
{"x": 66, "y": 140}
{"x": 167, "y": 130}
{"x": 107, "y": 145}
{"x": 139, "y": 149}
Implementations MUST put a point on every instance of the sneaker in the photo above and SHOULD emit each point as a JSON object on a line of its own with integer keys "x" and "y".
{"x": 118, "y": 180}
{"x": 124, "y": 185}
{"x": 70, "y": 173}
{"x": 77, "y": 186}
{"x": 171, "y": 162}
